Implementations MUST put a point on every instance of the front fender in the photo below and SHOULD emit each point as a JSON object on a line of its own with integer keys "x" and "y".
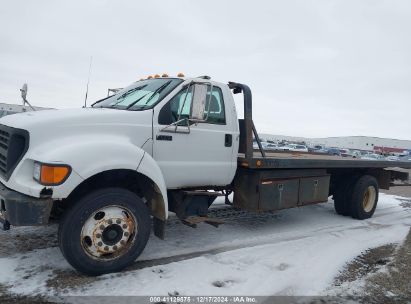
{"x": 150, "y": 168}
{"x": 86, "y": 156}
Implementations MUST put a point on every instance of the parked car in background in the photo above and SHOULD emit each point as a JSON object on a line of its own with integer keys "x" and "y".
{"x": 317, "y": 149}
{"x": 283, "y": 148}
{"x": 265, "y": 145}
{"x": 405, "y": 153}
{"x": 269, "y": 146}
{"x": 355, "y": 154}
{"x": 296, "y": 147}
{"x": 334, "y": 151}
{"x": 345, "y": 152}
{"x": 373, "y": 156}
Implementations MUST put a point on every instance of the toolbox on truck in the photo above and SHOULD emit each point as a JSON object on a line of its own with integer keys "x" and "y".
{"x": 264, "y": 190}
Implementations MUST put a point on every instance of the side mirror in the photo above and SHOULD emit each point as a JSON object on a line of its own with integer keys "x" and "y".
{"x": 199, "y": 102}
{"x": 23, "y": 91}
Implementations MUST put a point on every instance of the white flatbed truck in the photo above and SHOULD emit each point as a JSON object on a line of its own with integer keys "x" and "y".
{"x": 110, "y": 173}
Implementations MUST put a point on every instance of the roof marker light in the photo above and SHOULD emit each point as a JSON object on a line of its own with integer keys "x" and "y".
{"x": 180, "y": 75}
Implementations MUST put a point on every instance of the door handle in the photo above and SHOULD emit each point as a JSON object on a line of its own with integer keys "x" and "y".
{"x": 164, "y": 137}
{"x": 228, "y": 140}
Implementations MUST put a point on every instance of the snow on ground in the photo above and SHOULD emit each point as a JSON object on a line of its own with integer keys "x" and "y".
{"x": 292, "y": 252}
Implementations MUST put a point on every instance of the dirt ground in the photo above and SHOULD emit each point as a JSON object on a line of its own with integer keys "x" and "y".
{"x": 384, "y": 273}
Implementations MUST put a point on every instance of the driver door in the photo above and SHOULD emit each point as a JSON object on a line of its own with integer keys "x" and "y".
{"x": 194, "y": 154}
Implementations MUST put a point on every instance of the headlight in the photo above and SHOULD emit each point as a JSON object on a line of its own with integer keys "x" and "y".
{"x": 37, "y": 171}
{"x": 51, "y": 174}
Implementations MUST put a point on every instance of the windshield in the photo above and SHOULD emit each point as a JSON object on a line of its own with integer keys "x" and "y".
{"x": 141, "y": 95}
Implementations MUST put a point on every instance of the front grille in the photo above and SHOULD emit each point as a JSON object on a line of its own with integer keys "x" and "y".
{"x": 4, "y": 146}
{"x": 13, "y": 145}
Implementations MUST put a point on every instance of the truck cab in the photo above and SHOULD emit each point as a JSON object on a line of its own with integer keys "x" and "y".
{"x": 202, "y": 150}
{"x": 144, "y": 139}
{"x": 146, "y": 121}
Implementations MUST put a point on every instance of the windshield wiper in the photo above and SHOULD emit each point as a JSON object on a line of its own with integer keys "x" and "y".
{"x": 134, "y": 102}
{"x": 101, "y": 100}
{"x": 157, "y": 91}
{"x": 126, "y": 94}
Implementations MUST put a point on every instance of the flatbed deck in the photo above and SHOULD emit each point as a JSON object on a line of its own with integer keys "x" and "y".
{"x": 301, "y": 160}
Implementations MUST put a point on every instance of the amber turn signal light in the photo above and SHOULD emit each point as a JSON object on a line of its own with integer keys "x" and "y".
{"x": 51, "y": 175}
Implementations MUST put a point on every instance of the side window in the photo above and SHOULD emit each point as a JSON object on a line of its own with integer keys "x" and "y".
{"x": 182, "y": 105}
{"x": 179, "y": 107}
{"x": 215, "y": 106}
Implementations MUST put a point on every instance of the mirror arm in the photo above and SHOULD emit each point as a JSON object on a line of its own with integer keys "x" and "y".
{"x": 175, "y": 130}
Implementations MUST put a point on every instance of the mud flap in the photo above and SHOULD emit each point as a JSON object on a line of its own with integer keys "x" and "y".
{"x": 5, "y": 224}
{"x": 159, "y": 228}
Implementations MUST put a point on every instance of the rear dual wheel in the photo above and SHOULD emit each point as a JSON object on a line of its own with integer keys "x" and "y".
{"x": 364, "y": 197}
{"x": 342, "y": 197}
{"x": 104, "y": 231}
{"x": 357, "y": 197}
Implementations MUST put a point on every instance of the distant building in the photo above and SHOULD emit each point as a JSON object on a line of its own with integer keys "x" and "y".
{"x": 7, "y": 109}
{"x": 367, "y": 143}
{"x": 364, "y": 143}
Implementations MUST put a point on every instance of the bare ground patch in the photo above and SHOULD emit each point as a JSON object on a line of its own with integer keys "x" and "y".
{"x": 369, "y": 262}
{"x": 23, "y": 240}
{"x": 383, "y": 275}
{"x": 405, "y": 203}
{"x": 7, "y": 297}
{"x": 394, "y": 284}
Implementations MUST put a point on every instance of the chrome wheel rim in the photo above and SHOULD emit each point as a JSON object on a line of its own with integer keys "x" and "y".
{"x": 109, "y": 232}
{"x": 369, "y": 199}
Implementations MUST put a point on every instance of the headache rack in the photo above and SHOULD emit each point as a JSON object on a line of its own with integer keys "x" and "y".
{"x": 246, "y": 125}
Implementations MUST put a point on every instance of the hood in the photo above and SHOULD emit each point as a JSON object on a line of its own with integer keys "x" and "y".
{"x": 69, "y": 124}
{"x": 83, "y": 116}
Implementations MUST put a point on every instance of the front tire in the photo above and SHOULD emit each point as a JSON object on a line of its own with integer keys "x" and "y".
{"x": 104, "y": 231}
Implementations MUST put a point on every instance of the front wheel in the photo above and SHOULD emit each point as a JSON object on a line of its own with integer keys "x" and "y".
{"x": 104, "y": 231}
